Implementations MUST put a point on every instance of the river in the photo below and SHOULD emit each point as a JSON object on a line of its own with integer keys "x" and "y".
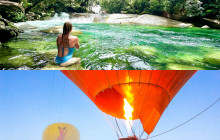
{"x": 114, "y": 46}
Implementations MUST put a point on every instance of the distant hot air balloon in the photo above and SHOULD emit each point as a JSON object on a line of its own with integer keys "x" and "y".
{"x": 61, "y": 131}
{"x": 133, "y": 96}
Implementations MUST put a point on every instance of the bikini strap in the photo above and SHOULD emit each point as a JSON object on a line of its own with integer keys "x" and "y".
{"x": 67, "y": 44}
{"x": 62, "y": 51}
{"x": 64, "y": 47}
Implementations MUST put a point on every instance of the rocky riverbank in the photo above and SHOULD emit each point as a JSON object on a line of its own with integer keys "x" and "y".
{"x": 8, "y": 30}
{"x": 144, "y": 19}
{"x": 135, "y": 19}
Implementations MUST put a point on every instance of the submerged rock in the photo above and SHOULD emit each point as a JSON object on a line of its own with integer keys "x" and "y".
{"x": 15, "y": 60}
{"x": 213, "y": 58}
{"x": 55, "y": 29}
{"x": 181, "y": 67}
{"x": 8, "y": 30}
{"x": 59, "y": 30}
{"x": 25, "y": 26}
{"x": 142, "y": 50}
{"x": 184, "y": 59}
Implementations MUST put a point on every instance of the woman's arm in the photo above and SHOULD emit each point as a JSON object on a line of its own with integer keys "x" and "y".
{"x": 77, "y": 43}
{"x": 58, "y": 38}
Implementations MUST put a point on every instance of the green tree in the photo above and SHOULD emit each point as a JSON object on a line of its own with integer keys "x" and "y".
{"x": 211, "y": 8}
{"x": 193, "y": 8}
{"x": 138, "y": 6}
{"x": 156, "y": 7}
{"x": 114, "y": 6}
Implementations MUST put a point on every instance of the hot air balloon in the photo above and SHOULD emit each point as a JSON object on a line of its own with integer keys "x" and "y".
{"x": 61, "y": 131}
{"x": 131, "y": 96}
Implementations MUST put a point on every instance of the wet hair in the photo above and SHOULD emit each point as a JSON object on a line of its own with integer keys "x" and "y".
{"x": 67, "y": 27}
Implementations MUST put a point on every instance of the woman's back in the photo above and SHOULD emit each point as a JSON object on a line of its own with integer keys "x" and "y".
{"x": 66, "y": 44}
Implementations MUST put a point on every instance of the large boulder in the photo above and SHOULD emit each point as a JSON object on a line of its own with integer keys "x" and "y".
{"x": 145, "y": 19}
{"x": 13, "y": 6}
{"x": 159, "y": 21}
{"x": 8, "y": 30}
{"x": 213, "y": 23}
{"x": 12, "y": 11}
{"x": 205, "y": 27}
{"x": 120, "y": 18}
{"x": 59, "y": 30}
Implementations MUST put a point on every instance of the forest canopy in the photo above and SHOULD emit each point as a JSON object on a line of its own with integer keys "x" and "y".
{"x": 177, "y": 9}
{"x": 185, "y": 10}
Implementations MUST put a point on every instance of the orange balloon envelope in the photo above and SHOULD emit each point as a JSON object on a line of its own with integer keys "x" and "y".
{"x": 149, "y": 92}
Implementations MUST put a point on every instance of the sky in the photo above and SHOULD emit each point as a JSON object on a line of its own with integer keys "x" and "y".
{"x": 32, "y": 100}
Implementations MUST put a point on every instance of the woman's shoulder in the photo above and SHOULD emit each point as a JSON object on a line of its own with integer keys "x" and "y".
{"x": 73, "y": 37}
{"x": 59, "y": 36}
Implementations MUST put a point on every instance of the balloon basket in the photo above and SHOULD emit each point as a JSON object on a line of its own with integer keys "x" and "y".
{"x": 129, "y": 138}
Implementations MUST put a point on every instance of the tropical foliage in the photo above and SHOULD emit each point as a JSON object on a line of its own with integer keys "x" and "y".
{"x": 178, "y": 9}
{"x": 175, "y": 9}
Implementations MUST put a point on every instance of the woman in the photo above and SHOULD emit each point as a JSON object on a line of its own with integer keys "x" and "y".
{"x": 66, "y": 45}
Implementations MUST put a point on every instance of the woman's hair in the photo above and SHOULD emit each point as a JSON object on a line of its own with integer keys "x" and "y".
{"x": 67, "y": 27}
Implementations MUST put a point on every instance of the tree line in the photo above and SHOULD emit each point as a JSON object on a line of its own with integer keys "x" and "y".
{"x": 177, "y": 9}
{"x": 184, "y": 10}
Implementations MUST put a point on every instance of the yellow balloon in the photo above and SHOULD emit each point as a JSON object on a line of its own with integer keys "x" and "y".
{"x": 61, "y": 131}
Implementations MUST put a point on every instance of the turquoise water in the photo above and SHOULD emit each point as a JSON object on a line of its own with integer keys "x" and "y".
{"x": 115, "y": 46}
